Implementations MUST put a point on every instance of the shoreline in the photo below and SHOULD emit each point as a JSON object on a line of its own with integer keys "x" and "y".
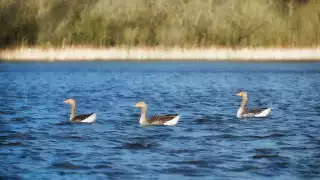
{"x": 160, "y": 54}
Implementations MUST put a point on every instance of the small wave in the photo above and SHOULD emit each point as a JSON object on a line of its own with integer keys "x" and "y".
{"x": 7, "y": 112}
{"x": 265, "y": 153}
{"x": 102, "y": 166}
{"x": 68, "y": 123}
{"x": 192, "y": 162}
{"x": 138, "y": 145}
{"x": 186, "y": 171}
{"x": 217, "y": 119}
{"x": 228, "y": 136}
{"x": 12, "y": 144}
{"x": 178, "y": 106}
{"x": 296, "y": 148}
{"x": 16, "y": 135}
{"x": 134, "y": 115}
{"x": 62, "y": 123}
{"x": 267, "y": 156}
{"x": 245, "y": 168}
{"x": 203, "y": 121}
{"x": 68, "y": 165}
{"x": 283, "y": 164}
{"x": 181, "y": 151}
{"x": 73, "y": 137}
{"x": 268, "y": 136}
{"x": 11, "y": 177}
{"x": 264, "y": 150}
{"x": 69, "y": 154}
{"x": 18, "y": 119}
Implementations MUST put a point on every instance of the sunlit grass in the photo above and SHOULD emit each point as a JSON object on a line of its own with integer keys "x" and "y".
{"x": 178, "y": 23}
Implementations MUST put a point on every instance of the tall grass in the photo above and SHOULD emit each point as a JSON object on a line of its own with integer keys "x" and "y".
{"x": 178, "y": 23}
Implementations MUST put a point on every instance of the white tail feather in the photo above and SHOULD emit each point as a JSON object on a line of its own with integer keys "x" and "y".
{"x": 264, "y": 113}
{"x": 173, "y": 121}
{"x": 90, "y": 119}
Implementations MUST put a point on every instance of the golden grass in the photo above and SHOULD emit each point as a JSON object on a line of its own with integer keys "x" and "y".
{"x": 178, "y": 23}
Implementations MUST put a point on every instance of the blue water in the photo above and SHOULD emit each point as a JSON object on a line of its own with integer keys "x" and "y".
{"x": 209, "y": 142}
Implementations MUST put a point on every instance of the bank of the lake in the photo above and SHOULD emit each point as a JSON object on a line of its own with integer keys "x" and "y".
{"x": 210, "y": 54}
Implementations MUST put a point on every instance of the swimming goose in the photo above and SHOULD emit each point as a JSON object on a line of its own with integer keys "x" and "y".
{"x": 83, "y": 118}
{"x": 243, "y": 112}
{"x": 170, "y": 119}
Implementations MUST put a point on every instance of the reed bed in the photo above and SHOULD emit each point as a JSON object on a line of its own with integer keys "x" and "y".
{"x": 184, "y": 24}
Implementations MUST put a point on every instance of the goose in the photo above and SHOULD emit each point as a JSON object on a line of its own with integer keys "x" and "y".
{"x": 169, "y": 119}
{"x": 243, "y": 112}
{"x": 83, "y": 118}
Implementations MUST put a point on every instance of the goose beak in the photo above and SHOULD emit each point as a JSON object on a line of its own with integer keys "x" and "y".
{"x": 65, "y": 101}
{"x": 238, "y": 94}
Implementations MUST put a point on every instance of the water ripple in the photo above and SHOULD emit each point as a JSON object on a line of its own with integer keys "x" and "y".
{"x": 38, "y": 141}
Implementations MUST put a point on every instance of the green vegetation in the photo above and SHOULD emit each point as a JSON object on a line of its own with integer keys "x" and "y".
{"x": 165, "y": 23}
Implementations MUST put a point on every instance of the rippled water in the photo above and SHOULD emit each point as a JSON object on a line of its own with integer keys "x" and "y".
{"x": 38, "y": 142}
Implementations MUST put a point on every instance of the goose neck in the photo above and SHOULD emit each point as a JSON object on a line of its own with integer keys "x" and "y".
{"x": 143, "y": 118}
{"x": 244, "y": 102}
{"x": 73, "y": 111}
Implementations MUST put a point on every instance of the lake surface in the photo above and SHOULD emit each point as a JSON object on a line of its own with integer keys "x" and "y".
{"x": 209, "y": 142}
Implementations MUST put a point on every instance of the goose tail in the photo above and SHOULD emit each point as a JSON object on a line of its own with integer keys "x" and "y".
{"x": 172, "y": 122}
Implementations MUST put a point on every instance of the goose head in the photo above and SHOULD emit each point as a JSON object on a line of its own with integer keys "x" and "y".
{"x": 141, "y": 104}
{"x": 243, "y": 94}
{"x": 70, "y": 101}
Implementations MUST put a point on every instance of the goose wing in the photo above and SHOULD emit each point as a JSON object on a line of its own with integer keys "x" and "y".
{"x": 253, "y": 112}
{"x": 256, "y": 110}
{"x": 161, "y": 119}
{"x": 80, "y": 117}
